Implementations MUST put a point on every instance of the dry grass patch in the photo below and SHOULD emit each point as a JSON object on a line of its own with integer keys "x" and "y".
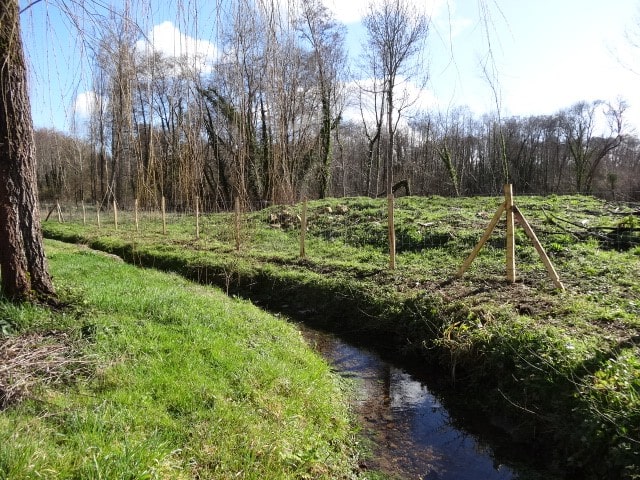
{"x": 32, "y": 360}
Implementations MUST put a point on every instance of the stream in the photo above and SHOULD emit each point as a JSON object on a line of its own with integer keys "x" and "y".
{"x": 413, "y": 434}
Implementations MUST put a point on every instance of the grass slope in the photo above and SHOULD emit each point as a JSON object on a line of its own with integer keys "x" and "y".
{"x": 176, "y": 381}
{"x": 561, "y": 369}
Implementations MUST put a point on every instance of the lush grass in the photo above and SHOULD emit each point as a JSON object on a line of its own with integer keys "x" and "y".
{"x": 565, "y": 365}
{"x": 184, "y": 383}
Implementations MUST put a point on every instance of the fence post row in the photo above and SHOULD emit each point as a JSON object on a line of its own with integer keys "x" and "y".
{"x": 507, "y": 207}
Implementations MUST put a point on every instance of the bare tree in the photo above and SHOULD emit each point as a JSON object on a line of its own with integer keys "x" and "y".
{"x": 396, "y": 33}
{"x": 372, "y": 108}
{"x": 580, "y": 123}
{"x": 326, "y": 39}
{"x": 23, "y": 266}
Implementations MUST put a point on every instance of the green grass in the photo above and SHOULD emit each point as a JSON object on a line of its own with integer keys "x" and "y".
{"x": 564, "y": 365}
{"x": 184, "y": 383}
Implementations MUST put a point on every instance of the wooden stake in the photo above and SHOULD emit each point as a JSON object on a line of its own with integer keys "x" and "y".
{"x": 197, "y": 218}
{"x": 59, "y": 210}
{"x": 135, "y": 214}
{"x": 98, "y": 213}
{"x": 511, "y": 241}
{"x": 512, "y": 213}
{"x": 84, "y": 215}
{"x": 237, "y": 222}
{"x": 164, "y": 217}
{"x": 555, "y": 278}
{"x": 483, "y": 240}
{"x": 303, "y": 228}
{"x": 392, "y": 232}
{"x": 115, "y": 214}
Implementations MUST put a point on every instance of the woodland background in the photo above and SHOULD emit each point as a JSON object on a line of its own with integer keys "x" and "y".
{"x": 279, "y": 117}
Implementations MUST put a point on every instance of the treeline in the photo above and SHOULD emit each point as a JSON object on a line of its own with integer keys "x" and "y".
{"x": 458, "y": 155}
{"x": 272, "y": 120}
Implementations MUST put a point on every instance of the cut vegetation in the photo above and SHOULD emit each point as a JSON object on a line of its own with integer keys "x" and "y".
{"x": 558, "y": 370}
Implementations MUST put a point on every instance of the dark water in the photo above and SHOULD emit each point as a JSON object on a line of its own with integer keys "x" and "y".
{"x": 413, "y": 433}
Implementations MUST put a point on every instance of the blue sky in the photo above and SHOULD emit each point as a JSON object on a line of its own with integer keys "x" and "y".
{"x": 548, "y": 54}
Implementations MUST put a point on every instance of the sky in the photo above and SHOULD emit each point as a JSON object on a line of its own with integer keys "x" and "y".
{"x": 546, "y": 54}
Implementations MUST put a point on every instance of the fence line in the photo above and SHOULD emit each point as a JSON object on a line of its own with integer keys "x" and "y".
{"x": 236, "y": 227}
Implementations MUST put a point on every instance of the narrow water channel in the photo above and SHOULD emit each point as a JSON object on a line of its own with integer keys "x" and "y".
{"x": 414, "y": 435}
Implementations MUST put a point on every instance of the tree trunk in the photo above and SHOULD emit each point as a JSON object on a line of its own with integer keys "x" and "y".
{"x": 22, "y": 261}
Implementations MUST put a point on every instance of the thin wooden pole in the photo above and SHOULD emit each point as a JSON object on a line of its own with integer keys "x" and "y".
{"x": 197, "y": 218}
{"x": 511, "y": 240}
{"x": 115, "y": 214}
{"x": 303, "y": 229}
{"x": 237, "y": 222}
{"x": 135, "y": 214}
{"x": 392, "y": 232}
{"x": 483, "y": 240}
{"x": 59, "y": 210}
{"x": 84, "y": 215}
{"x": 164, "y": 216}
{"x": 555, "y": 278}
{"x": 98, "y": 213}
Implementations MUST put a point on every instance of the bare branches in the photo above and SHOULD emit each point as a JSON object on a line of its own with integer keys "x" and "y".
{"x": 396, "y": 34}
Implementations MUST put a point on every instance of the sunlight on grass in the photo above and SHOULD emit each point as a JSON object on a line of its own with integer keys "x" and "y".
{"x": 541, "y": 348}
{"x": 187, "y": 384}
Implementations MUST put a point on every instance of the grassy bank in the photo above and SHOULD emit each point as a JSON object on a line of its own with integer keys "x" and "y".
{"x": 146, "y": 375}
{"x": 558, "y": 370}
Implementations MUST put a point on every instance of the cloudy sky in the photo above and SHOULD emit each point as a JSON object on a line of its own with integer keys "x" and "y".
{"x": 547, "y": 54}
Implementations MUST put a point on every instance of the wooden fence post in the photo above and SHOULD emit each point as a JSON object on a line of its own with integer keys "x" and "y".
{"x": 512, "y": 213}
{"x": 483, "y": 240}
{"x": 392, "y": 232}
{"x": 164, "y": 217}
{"x": 84, "y": 215}
{"x": 135, "y": 214}
{"x": 555, "y": 278}
{"x": 197, "y": 218}
{"x": 303, "y": 228}
{"x": 115, "y": 213}
{"x": 236, "y": 209}
{"x": 59, "y": 210}
{"x": 511, "y": 241}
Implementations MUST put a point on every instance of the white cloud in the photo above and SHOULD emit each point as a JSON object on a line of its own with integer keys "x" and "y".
{"x": 347, "y": 11}
{"x": 86, "y": 103}
{"x": 165, "y": 38}
{"x": 352, "y": 11}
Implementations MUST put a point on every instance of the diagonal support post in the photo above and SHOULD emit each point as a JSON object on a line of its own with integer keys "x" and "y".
{"x": 512, "y": 214}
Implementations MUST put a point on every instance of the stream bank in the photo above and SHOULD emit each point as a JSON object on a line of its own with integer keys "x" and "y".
{"x": 540, "y": 412}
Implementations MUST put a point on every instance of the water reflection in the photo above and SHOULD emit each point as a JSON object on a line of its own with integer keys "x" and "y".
{"x": 413, "y": 432}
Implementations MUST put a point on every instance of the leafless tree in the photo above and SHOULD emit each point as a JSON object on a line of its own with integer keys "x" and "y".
{"x": 580, "y": 125}
{"x": 396, "y": 32}
{"x": 325, "y": 37}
